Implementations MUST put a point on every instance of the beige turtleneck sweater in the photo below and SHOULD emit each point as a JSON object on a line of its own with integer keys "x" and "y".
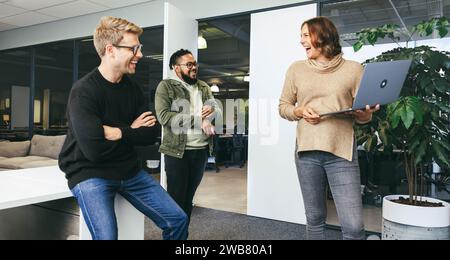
{"x": 325, "y": 88}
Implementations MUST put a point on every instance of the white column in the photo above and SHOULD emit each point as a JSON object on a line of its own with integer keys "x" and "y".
{"x": 273, "y": 186}
{"x": 180, "y": 32}
{"x": 130, "y": 222}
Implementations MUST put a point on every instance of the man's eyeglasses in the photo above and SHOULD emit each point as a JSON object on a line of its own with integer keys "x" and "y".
{"x": 189, "y": 65}
{"x": 134, "y": 48}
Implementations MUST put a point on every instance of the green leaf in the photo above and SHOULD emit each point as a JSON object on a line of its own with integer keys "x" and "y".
{"x": 440, "y": 154}
{"x": 395, "y": 118}
{"x": 418, "y": 28}
{"x": 393, "y": 106}
{"x": 443, "y": 106}
{"x": 407, "y": 115}
{"x": 428, "y": 29}
{"x": 416, "y": 106}
{"x": 372, "y": 38}
{"x": 381, "y": 34}
{"x": 444, "y": 21}
{"x": 420, "y": 153}
{"x": 441, "y": 85}
{"x": 444, "y": 144}
{"x": 358, "y": 45}
{"x": 443, "y": 32}
{"x": 415, "y": 141}
{"x": 425, "y": 82}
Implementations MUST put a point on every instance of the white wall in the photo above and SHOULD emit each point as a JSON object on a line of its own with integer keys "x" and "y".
{"x": 180, "y": 32}
{"x": 273, "y": 186}
{"x": 145, "y": 15}
{"x": 369, "y": 51}
{"x": 440, "y": 44}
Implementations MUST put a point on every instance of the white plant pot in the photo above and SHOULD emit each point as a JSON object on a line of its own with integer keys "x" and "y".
{"x": 406, "y": 222}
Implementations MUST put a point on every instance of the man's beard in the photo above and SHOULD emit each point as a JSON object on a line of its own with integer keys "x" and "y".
{"x": 188, "y": 79}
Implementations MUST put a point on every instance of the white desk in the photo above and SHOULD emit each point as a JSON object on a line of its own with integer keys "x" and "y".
{"x": 36, "y": 185}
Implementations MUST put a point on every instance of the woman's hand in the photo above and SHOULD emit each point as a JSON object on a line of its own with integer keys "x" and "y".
{"x": 366, "y": 114}
{"x": 308, "y": 114}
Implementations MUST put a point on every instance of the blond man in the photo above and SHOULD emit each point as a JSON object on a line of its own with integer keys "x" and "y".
{"x": 107, "y": 118}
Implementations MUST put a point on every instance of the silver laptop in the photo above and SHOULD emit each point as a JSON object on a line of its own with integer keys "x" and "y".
{"x": 381, "y": 84}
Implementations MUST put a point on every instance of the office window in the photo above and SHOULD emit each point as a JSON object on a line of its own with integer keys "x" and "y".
{"x": 225, "y": 64}
{"x": 14, "y": 93}
{"x": 88, "y": 58}
{"x": 149, "y": 73}
{"x": 225, "y": 61}
{"x": 54, "y": 76}
{"x": 150, "y": 68}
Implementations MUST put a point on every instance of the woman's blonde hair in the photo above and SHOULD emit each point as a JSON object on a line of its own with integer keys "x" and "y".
{"x": 111, "y": 31}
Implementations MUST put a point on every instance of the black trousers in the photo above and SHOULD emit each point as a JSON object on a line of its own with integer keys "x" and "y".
{"x": 184, "y": 175}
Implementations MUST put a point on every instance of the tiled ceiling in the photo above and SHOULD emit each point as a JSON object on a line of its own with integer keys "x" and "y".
{"x": 351, "y": 16}
{"x": 20, "y": 13}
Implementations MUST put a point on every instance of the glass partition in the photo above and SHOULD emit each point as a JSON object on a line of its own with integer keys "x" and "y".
{"x": 88, "y": 58}
{"x": 54, "y": 77}
{"x": 14, "y": 93}
{"x": 150, "y": 68}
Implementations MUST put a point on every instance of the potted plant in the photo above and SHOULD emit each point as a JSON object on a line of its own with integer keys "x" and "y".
{"x": 418, "y": 126}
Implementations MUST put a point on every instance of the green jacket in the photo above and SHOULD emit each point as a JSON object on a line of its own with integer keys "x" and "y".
{"x": 168, "y": 92}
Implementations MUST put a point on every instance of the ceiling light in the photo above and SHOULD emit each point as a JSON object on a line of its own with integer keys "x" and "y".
{"x": 215, "y": 88}
{"x": 202, "y": 44}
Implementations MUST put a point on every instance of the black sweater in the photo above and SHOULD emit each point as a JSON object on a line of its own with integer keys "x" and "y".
{"x": 94, "y": 102}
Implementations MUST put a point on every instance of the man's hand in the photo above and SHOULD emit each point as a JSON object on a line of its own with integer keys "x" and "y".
{"x": 207, "y": 111}
{"x": 208, "y": 128}
{"x": 366, "y": 114}
{"x": 144, "y": 120}
{"x": 112, "y": 133}
{"x": 308, "y": 114}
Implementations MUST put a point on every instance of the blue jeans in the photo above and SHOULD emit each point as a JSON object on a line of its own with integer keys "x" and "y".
{"x": 314, "y": 169}
{"x": 96, "y": 200}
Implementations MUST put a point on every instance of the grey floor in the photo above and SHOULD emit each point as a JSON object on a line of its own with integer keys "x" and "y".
{"x": 220, "y": 213}
{"x": 210, "y": 224}
{"x": 227, "y": 191}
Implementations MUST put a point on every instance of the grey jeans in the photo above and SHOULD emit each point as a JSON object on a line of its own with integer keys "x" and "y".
{"x": 314, "y": 169}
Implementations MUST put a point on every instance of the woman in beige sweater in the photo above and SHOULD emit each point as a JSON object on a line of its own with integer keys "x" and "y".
{"x": 326, "y": 148}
